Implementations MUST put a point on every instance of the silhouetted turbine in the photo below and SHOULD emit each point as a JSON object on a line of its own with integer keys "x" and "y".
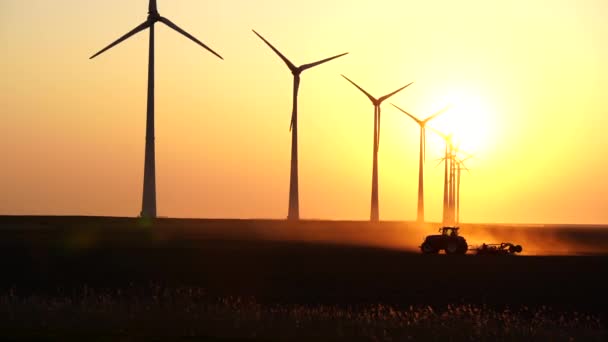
{"x": 451, "y": 185}
{"x": 374, "y": 211}
{"x": 148, "y": 207}
{"x": 455, "y": 183}
{"x": 447, "y": 178}
{"x": 456, "y": 166}
{"x": 422, "y": 124}
{"x": 294, "y": 198}
{"x": 459, "y": 167}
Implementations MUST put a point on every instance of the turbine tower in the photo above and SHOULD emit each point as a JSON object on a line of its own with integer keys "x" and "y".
{"x": 294, "y": 198}
{"x": 422, "y": 158}
{"x": 148, "y": 207}
{"x": 374, "y": 211}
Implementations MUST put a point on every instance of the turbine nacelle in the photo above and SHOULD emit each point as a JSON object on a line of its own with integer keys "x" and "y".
{"x": 153, "y": 17}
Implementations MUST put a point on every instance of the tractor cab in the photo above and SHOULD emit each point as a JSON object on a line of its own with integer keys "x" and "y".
{"x": 449, "y": 231}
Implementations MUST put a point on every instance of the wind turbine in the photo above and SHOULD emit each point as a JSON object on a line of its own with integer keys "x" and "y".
{"x": 294, "y": 201}
{"x": 148, "y": 208}
{"x": 459, "y": 167}
{"x": 374, "y": 211}
{"x": 422, "y": 124}
{"x": 447, "y": 177}
{"x": 451, "y": 185}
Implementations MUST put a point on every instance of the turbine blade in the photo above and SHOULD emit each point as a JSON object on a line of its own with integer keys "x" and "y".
{"x": 441, "y": 160}
{"x": 461, "y": 161}
{"x": 393, "y": 93}
{"x": 310, "y": 65}
{"x": 152, "y": 6}
{"x": 290, "y": 65}
{"x": 468, "y": 155}
{"x": 445, "y": 137}
{"x": 455, "y": 149}
{"x": 139, "y": 28}
{"x": 458, "y": 151}
{"x": 436, "y": 114}
{"x": 364, "y": 92}
{"x": 461, "y": 165}
{"x": 408, "y": 114}
{"x": 187, "y": 35}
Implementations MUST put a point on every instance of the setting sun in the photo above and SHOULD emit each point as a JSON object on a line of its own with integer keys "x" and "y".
{"x": 469, "y": 120}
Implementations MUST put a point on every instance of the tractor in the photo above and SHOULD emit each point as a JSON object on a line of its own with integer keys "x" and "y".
{"x": 448, "y": 240}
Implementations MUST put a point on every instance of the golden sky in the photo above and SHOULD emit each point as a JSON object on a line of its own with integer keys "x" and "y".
{"x": 529, "y": 80}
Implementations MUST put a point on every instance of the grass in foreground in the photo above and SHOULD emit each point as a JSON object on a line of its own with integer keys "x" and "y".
{"x": 191, "y": 313}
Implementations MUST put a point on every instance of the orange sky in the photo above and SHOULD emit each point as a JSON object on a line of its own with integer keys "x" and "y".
{"x": 528, "y": 79}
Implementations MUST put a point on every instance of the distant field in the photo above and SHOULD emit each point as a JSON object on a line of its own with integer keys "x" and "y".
{"x": 312, "y": 263}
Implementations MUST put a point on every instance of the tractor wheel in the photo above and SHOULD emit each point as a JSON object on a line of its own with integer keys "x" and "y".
{"x": 427, "y": 248}
{"x": 463, "y": 247}
{"x": 452, "y": 248}
{"x": 518, "y": 248}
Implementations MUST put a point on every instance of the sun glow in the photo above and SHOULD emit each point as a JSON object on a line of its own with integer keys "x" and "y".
{"x": 468, "y": 120}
